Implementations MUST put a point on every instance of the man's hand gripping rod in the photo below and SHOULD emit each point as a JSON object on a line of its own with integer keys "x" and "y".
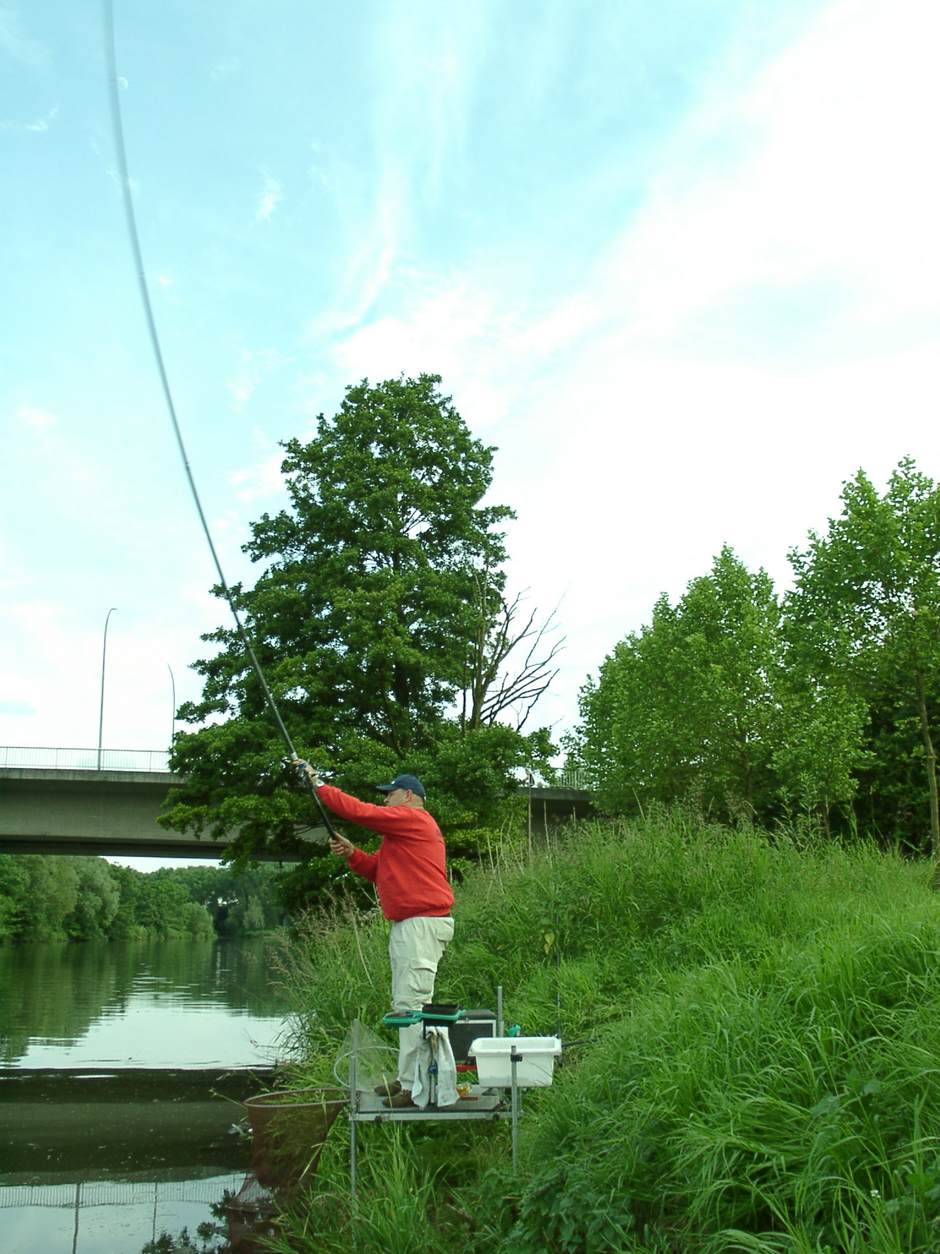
{"x": 311, "y": 781}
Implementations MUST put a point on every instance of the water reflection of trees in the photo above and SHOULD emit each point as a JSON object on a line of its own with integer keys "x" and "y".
{"x": 234, "y": 974}
{"x": 55, "y": 992}
{"x": 239, "y": 1225}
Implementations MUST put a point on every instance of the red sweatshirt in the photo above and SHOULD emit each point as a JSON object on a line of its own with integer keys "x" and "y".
{"x": 409, "y": 868}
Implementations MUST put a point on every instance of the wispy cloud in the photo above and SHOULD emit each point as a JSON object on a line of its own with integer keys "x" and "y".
{"x": 820, "y": 206}
{"x": 428, "y": 61}
{"x": 827, "y": 182}
{"x": 254, "y": 366}
{"x": 51, "y": 696}
{"x": 262, "y": 480}
{"x": 42, "y": 124}
{"x": 225, "y": 68}
{"x": 458, "y": 329}
{"x": 38, "y": 419}
{"x": 271, "y": 196}
{"x": 372, "y": 257}
{"x": 17, "y": 43}
{"x": 133, "y": 183}
{"x": 39, "y": 124}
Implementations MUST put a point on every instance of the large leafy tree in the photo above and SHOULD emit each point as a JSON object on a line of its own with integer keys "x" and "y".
{"x": 97, "y": 900}
{"x": 865, "y": 610}
{"x": 365, "y": 619}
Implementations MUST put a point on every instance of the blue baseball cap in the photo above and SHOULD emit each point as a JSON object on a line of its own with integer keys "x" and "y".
{"x": 410, "y": 782}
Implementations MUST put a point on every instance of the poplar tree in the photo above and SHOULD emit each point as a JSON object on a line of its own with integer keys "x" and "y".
{"x": 866, "y": 611}
{"x": 683, "y": 708}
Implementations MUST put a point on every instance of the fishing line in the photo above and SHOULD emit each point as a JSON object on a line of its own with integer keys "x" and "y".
{"x": 131, "y": 222}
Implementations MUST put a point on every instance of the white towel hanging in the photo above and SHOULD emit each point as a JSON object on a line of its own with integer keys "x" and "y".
{"x": 435, "y": 1047}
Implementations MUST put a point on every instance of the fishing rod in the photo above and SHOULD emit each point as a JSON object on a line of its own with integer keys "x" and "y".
{"x": 130, "y": 216}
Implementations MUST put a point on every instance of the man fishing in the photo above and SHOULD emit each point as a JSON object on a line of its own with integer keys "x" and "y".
{"x": 409, "y": 871}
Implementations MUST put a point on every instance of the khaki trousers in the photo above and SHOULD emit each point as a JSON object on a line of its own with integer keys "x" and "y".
{"x": 415, "y": 947}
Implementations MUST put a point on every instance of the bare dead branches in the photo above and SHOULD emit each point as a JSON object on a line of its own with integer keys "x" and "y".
{"x": 492, "y": 686}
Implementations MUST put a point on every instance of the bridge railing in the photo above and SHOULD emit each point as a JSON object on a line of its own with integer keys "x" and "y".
{"x": 58, "y": 759}
{"x": 61, "y": 759}
{"x": 574, "y": 777}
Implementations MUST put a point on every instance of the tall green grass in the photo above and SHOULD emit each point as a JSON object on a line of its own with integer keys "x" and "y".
{"x": 757, "y": 1021}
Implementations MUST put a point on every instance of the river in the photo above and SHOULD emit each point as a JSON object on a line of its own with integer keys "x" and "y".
{"x": 121, "y": 1070}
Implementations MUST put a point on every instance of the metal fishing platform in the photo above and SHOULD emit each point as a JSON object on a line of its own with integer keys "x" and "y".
{"x": 500, "y": 1097}
{"x": 482, "y": 1104}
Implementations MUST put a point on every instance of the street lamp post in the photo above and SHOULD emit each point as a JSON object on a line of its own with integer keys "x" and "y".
{"x": 173, "y": 710}
{"x": 104, "y": 655}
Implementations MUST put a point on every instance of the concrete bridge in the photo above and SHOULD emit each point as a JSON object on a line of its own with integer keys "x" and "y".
{"x": 61, "y": 801}
{"x": 45, "y": 810}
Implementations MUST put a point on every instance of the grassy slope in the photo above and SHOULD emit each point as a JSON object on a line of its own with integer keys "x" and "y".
{"x": 759, "y": 1028}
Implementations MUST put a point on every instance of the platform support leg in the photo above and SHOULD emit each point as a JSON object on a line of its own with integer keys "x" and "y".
{"x": 353, "y": 1102}
{"x": 515, "y": 1107}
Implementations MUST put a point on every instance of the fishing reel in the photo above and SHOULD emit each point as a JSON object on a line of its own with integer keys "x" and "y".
{"x": 298, "y": 771}
{"x": 300, "y": 774}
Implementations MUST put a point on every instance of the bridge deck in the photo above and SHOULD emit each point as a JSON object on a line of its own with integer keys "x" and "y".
{"x": 114, "y": 812}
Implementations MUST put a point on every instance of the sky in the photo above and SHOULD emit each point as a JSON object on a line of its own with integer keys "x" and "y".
{"x": 678, "y": 262}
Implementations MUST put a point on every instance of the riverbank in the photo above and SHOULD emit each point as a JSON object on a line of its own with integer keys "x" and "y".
{"x": 751, "y": 1026}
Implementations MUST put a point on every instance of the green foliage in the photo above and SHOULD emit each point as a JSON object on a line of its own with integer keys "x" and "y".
{"x": 50, "y": 894}
{"x": 209, "y": 1235}
{"x": 47, "y": 897}
{"x": 757, "y": 1097}
{"x": 97, "y": 900}
{"x": 823, "y": 705}
{"x": 866, "y": 611}
{"x": 818, "y": 738}
{"x": 751, "y": 1029}
{"x": 13, "y": 885}
{"x": 380, "y": 588}
{"x": 237, "y": 902}
{"x": 685, "y": 707}
{"x": 392, "y": 1171}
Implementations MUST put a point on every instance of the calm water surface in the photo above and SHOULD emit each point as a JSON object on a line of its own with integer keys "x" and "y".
{"x": 120, "y": 1069}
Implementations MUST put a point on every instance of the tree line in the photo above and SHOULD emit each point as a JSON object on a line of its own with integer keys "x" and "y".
{"x": 47, "y": 897}
{"x": 382, "y": 619}
{"x": 819, "y": 701}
